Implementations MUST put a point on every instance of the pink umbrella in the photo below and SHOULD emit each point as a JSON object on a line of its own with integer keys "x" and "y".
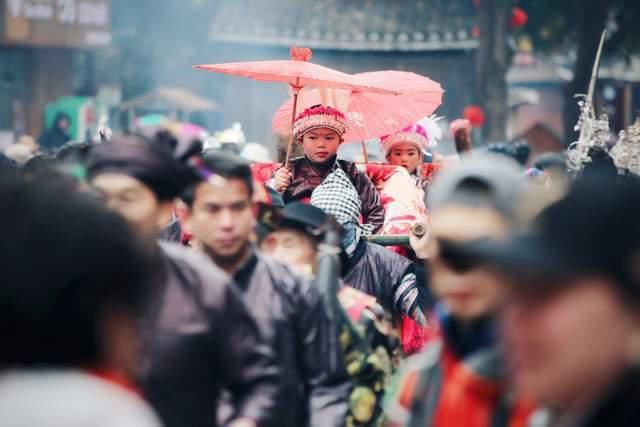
{"x": 372, "y": 115}
{"x": 298, "y": 73}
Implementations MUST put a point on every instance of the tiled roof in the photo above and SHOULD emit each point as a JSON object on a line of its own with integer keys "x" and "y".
{"x": 379, "y": 25}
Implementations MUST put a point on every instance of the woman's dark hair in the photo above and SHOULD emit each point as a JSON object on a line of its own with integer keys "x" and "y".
{"x": 59, "y": 117}
{"x": 73, "y": 152}
{"x": 36, "y": 166}
{"x": 601, "y": 163}
{"x": 67, "y": 263}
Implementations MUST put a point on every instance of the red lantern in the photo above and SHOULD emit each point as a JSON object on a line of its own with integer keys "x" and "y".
{"x": 476, "y": 3}
{"x": 475, "y": 31}
{"x": 518, "y": 17}
{"x": 475, "y": 115}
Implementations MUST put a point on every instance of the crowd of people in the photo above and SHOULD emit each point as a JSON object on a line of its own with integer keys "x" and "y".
{"x": 151, "y": 283}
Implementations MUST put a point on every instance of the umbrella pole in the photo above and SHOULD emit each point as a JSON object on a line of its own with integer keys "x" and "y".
{"x": 364, "y": 152}
{"x": 296, "y": 90}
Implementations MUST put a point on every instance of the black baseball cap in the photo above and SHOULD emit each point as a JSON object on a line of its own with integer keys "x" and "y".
{"x": 593, "y": 230}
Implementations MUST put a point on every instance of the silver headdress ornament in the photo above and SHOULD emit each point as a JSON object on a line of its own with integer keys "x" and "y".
{"x": 626, "y": 153}
{"x": 594, "y": 131}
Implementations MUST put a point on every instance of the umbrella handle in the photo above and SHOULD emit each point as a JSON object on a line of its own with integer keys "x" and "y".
{"x": 364, "y": 152}
{"x": 296, "y": 91}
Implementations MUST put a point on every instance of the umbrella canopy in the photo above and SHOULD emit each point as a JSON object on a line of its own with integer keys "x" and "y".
{"x": 372, "y": 115}
{"x": 296, "y": 72}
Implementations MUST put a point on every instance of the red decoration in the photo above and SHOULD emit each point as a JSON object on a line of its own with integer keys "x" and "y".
{"x": 301, "y": 53}
{"x": 263, "y": 171}
{"x": 475, "y": 115}
{"x": 475, "y": 31}
{"x": 321, "y": 110}
{"x": 518, "y": 18}
{"x": 476, "y": 3}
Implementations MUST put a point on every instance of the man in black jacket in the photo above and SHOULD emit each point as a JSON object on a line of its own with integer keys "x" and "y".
{"x": 289, "y": 309}
{"x": 571, "y": 326}
{"x": 198, "y": 333}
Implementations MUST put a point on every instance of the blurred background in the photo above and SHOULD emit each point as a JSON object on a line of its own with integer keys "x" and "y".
{"x": 510, "y": 66}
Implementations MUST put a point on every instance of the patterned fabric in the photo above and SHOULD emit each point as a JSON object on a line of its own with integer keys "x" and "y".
{"x": 370, "y": 346}
{"x": 337, "y": 196}
{"x": 401, "y": 199}
{"x": 405, "y": 297}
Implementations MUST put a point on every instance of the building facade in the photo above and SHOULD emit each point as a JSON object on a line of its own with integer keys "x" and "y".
{"x": 46, "y": 52}
{"x": 430, "y": 37}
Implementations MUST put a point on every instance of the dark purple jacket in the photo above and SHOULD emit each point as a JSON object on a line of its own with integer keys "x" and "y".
{"x": 307, "y": 176}
{"x": 200, "y": 338}
{"x": 290, "y": 312}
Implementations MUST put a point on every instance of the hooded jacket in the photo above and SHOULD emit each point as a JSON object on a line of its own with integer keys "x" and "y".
{"x": 55, "y": 137}
{"x": 307, "y": 176}
{"x": 291, "y": 315}
{"x": 200, "y": 337}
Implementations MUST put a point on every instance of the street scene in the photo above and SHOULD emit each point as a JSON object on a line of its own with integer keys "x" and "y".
{"x": 329, "y": 213}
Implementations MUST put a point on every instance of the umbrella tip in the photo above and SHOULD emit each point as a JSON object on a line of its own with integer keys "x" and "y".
{"x": 301, "y": 53}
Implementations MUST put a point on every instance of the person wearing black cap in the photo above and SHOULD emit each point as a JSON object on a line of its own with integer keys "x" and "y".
{"x": 289, "y": 309}
{"x": 571, "y": 326}
{"x": 367, "y": 331}
{"x": 190, "y": 355}
{"x": 294, "y": 239}
{"x": 371, "y": 268}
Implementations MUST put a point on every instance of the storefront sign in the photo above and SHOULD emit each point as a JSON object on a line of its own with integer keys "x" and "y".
{"x": 64, "y": 23}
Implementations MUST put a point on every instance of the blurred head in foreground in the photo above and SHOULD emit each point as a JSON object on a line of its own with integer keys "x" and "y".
{"x": 140, "y": 179}
{"x": 572, "y": 323}
{"x": 471, "y": 200}
{"x": 71, "y": 289}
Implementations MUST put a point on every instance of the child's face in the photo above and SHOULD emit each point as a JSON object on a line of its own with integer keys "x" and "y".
{"x": 405, "y": 155}
{"x": 320, "y": 144}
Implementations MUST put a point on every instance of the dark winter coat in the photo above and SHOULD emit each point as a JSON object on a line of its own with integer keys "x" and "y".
{"x": 291, "y": 314}
{"x": 201, "y": 337}
{"x": 307, "y": 176}
{"x": 377, "y": 271}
